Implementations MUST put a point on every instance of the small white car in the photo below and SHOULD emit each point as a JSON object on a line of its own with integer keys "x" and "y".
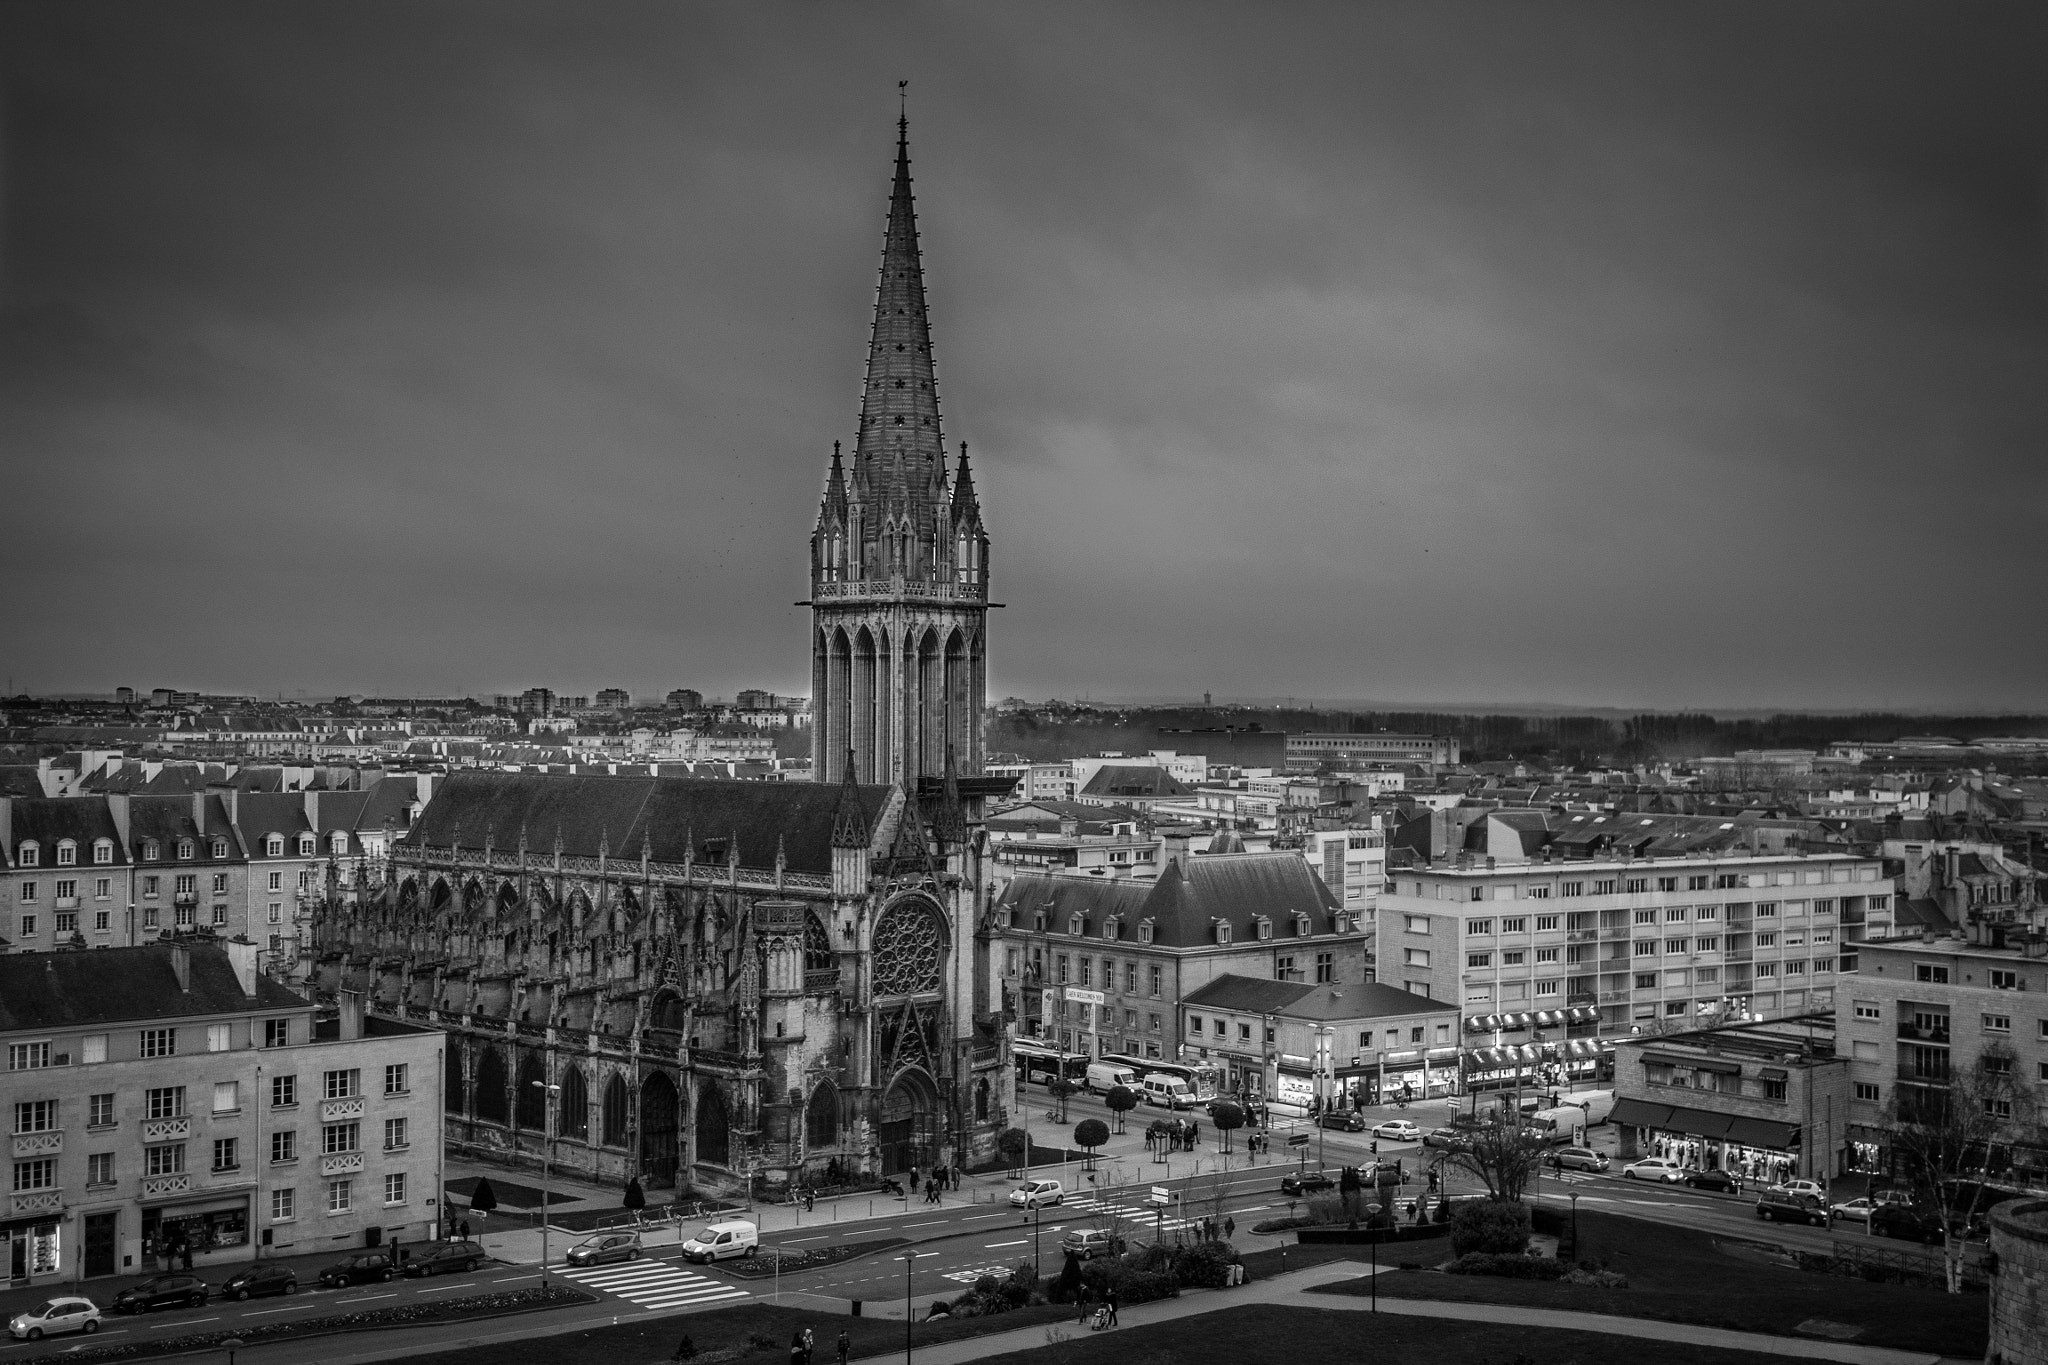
{"x": 1654, "y": 1168}
{"x": 1856, "y": 1210}
{"x": 67, "y": 1313}
{"x": 1036, "y": 1193}
{"x": 1812, "y": 1188}
{"x": 722, "y": 1241}
{"x": 1398, "y": 1130}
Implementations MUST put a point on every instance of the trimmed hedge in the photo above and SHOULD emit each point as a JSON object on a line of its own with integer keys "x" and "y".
{"x": 1507, "y": 1267}
{"x": 1493, "y": 1226}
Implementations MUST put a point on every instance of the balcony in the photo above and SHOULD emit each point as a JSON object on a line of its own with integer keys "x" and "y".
{"x": 67, "y": 902}
{"x": 166, "y": 1130}
{"x": 341, "y": 1163}
{"x": 1928, "y": 1033}
{"x": 39, "y": 1144}
{"x": 822, "y": 981}
{"x": 157, "y": 1186}
{"x": 42, "y": 1201}
{"x": 333, "y": 1111}
{"x": 1581, "y": 935}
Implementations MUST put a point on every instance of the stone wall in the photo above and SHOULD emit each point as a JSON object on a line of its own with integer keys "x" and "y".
{"x": 2019, "y": 1289}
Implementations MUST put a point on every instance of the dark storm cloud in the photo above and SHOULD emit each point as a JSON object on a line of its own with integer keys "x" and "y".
{"x": 1638, "y": 354}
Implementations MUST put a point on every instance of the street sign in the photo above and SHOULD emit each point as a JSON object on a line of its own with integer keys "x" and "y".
{"x": 1081, "y": 997}
{"x": 1161, "y": 1195}
{"x": 1298, "y": 1140}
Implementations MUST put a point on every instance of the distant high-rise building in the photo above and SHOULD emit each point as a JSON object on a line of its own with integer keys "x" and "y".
{"x": 899, "y": 559}
{"x": 616, "y": 698}
{"x": 124, "y": 696}
{"x": 685, "y": 699}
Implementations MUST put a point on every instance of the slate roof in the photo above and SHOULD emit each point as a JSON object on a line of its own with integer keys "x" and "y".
{"x": 1297, "y": 999}
{"x": 113, "y": 985}
{"x": 48, "y": 819}
{"x": 168, "y": 819}
{"x": 1185, "y": 901}
{"x": 1247, "y": 994}
{"x": 669, "y": 811}
{"x": 261, "y": 814}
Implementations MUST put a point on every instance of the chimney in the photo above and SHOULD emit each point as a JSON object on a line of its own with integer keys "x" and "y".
{"x": 199, "y": 810}
{"x": 6, "y": 829}
{"x": 117, "y": 809}
{"x": 351, "y": 1014}
{"x": 242, "y": 957}
{"x": 1951, "y": 865}
{"x": 181, "y": 965}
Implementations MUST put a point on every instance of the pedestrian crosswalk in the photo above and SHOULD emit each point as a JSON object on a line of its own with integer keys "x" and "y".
{"x": 1135, "y": 1211}
{"x": 654, "y": 1284}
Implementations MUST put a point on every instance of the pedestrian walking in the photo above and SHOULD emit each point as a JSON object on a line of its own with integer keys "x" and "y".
{"x": 185, "y": 1252}
{"x": 1109, "y": 1302}
{"x": 1194, "y": 1133}
{"x": 913, "y": 1180}
{"x": 845, "y": 1347}
{"x": 810, "y": 1344}
{"x": 1229, "y": 1228}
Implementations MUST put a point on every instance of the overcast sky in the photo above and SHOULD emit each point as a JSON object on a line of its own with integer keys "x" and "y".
{"x": 1661, "y": 355}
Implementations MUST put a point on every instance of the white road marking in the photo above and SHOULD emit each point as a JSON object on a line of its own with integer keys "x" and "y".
{"x": 656, "y": 1284}
{"x": 295, "y": 1308}
{"x": 1019, "y": 1242}
{"x": 181, "y": 1322}
{"x": 444, "y": 1288}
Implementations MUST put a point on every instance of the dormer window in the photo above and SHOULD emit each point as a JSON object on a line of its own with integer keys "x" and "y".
{"x": 220, "y": 848}
{"x": 103, "y": 851}
{"x": 31, "y": 853}
{"x": 340, "y": 845}
{"x": 273, "y": 847}
{"x": 67, "y": 853}
{"x": 1038, "y": 922}
{"x": 1077, "y": 925}
{"x": 305, "y": 845}
{"x": 1265, "y": 927}
{"x": 184, "y": 848}
{"x": 1223, "y": 931}
{"x": 151, "y": 850}
{"x": 1113, "y": 927}
{"x": 1302, "y": 928}
{"x": 1145, "y": 932}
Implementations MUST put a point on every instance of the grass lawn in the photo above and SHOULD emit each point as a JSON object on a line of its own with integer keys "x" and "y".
{"x": 1680, "y": 1275}
{"x": 1255, "y": 1333}
{"x": 655, "y": 1342}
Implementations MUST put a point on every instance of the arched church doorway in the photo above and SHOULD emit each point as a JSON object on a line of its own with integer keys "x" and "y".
{"x": 658, "y": 1130}
{"x": 909, "y": 1128}
{"x": 714, "y": 1142}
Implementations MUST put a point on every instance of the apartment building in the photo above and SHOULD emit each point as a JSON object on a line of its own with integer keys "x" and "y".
{"x": 1145, "y": 944}
{"x": 1604, "y": 946}
{"x": 172, "y": 1097}
{"x": 1921, "y": 1011}
{"x": 1306, "y": 752}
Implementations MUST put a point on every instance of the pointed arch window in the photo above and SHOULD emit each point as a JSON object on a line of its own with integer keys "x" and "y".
{"x": 821, "y": 1116}
{"x": 531, "y": 1105}
{"x": 572, "y": 1109}
{"x": 452, "y": 1098}
{"x": 615, "y": 1111}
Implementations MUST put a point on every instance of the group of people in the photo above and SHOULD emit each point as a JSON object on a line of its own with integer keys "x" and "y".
{"x": 1177, "y": 1135}
{"x": 936, "y": 1181}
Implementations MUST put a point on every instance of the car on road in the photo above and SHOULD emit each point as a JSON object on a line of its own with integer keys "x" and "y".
{"x": 722, "y": 1241}
{"x": 1719, "y": 1181}
{"x": 609, "y": 1246}
{"x": 1450, "y": 1139}
{"x": 257, "y": 1280}
{"x": 1786, "y": 1206}
{"x": 1577, "y": 1159}
{"x": 1343, "y": 1120}
{"x": 1034, "y": 1193}
{"x": 1397, "y": 1130}
{"x": 1088, "y": 1243}
{"x": 365, "y": 1267}
{"x": 1855, "y": 1210}
{"x": 1307, "y": 1182}
{"x": 1654, "y": 1168}
{"x": 1811, "y": 1188}
{"x": 453, "y": 1255}
{"x": 1906, "y": 1221}
{"x": 65, "y": 1313}
{"x": 163, "y": 1291}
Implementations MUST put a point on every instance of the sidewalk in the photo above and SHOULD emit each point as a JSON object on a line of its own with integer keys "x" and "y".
{"x": 1289, "y": 1290}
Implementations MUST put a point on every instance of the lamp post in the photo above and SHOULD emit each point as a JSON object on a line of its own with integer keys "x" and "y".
{"x": 909, "y": 1263}
{"x": 548, "y": 1093}
{"x": 1326, "y": 1042}
{"x": 232, "y": 1345}
{"x": 1575, "y": 1227}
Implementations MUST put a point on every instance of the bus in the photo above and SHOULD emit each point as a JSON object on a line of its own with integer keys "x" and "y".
{"x": 1039, "y": 1063}
{"x": 1203, "y": 1078}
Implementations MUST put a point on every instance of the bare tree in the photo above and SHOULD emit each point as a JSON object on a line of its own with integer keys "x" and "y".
{"x": 1943, "y": 1135}
{"x": 1503, "y": 1155}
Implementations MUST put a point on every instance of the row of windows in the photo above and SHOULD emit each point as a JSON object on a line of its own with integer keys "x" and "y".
{"x": 1640, "y": 885}
{"x": 168, "y": 1101}
{"x": 340, "y": 1197}
{"x": 30, "y": 853}
{"x": 160, "y": 1042}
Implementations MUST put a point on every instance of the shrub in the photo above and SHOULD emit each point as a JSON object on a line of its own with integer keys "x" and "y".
{"x": 1512, "y": 1267}
{"x": 1493, "y": 1226}
{"x": 1441, "y": 1213}
{"x": 1205, "y": 1265}
{"x": 1272, "y": 1225}
{"x": 1325, "y": 1209}
{"x": 1132, "y": 1284}
{"x": 1598, "y": 1279}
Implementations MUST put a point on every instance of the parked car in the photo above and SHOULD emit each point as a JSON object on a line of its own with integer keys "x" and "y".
{"x": 1811, "y": 1188}
{"x": 65, "y": 1313}
{"x": 1907, "y": 1221}
{"x": 1307, "y": 1182}
{"x": 1902, "y": 1198}
{"x": 1786, "y": 1206}
{"x": 1577, "y": 1159}
{"x": 1450, "y": 1139}
{"x": 365, "y": 1267}
{"x": 267, "y": 1277}
{"x": 1719, "y": 1181}
{"x": 722, "y": 1241}
{"x": 1088, "y": 1243}
{"x": 1343, "y": 1120}
{"x": 453, "y": 1255}
{"x": 1398, "y": 1130}
{"x": 163, "y": 1291}
{"x": 1654, "y": 1168}
{"x": 609, "y": 1246}
{"x": 1855, "y": 1210}
{"x": 1033, "y": 1193}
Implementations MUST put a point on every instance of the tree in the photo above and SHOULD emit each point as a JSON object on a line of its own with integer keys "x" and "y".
{"x": 1015, "y": 1145}
{"x": 635, "y": 1199}
{"x": 1091, "y": 1133}
{"x": 1227, "y": 1115}
{"x": 1061, "y": 1087}
{"x": 483, "y": 1198}
{"x": 1503, "y": 1155}
{"x": 1121, "y": 1100}
{"x": 1943, "y": 1137}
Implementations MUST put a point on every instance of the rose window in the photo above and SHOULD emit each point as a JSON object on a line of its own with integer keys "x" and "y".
{"x": 908, "y": 948}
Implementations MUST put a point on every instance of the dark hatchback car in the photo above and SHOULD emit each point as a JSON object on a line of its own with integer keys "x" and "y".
{"x": 163, "y": 1291}
{"x": 1343, "y": 1120}
{"x": 1713, "y": 1180}
{"x": 365, "y": 1267}
{"x": 1310, "y": 1182}
{"x": 442, "y": 1257}
{"x": 259, "y": 1280}
{"x": 1785, "y": 1206}
{"x": 1903, "y": 1220}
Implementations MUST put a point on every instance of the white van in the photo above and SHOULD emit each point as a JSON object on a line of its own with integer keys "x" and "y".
{"x": 722, "y": 1241}
{"x": 1168, "y": 1092}
{"x": 1106, "y": 1076}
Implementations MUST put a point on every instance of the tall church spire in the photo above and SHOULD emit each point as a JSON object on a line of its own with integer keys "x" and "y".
{"x": 900, "y": 405}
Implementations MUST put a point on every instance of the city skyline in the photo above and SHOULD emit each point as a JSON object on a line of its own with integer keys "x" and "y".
{"x": 1675, "y": 359}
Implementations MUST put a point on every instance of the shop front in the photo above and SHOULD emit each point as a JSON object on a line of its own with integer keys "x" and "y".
{"x": 1762, "y": 1151}
{"x": 32, "y": 1248}
{"x": 210, "y": 1229}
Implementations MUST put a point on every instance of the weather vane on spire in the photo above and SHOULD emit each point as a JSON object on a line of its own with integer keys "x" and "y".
{"x": 903, "y": 101}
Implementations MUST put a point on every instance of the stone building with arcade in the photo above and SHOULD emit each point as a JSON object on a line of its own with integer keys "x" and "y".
{"x": 713, "y": 981}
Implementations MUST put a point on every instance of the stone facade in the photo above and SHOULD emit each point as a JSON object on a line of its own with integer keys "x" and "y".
{"x": 2019, "y": 1289}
